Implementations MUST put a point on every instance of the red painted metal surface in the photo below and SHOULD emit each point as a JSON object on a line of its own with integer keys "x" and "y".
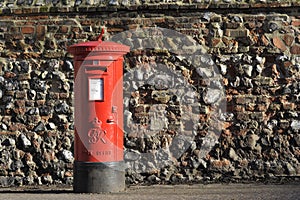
{"x": 98, "y": 94}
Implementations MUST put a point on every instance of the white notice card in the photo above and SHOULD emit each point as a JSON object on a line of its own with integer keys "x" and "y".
{"x": 96, "y": 89}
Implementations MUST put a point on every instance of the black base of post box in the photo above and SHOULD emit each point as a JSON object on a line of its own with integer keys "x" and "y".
{"x": 95, "y": 177}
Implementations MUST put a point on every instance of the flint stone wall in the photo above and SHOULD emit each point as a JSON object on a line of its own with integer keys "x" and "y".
{"x": 254, "y": 46}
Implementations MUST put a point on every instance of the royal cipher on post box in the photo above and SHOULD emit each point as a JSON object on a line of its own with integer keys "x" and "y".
{"x": 98, "y": 92}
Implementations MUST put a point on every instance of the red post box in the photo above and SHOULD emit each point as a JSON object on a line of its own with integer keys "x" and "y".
{"x": 98, "y": 91}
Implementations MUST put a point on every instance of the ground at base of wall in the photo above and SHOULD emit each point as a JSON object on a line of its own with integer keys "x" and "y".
{"x": 162, "y": 192}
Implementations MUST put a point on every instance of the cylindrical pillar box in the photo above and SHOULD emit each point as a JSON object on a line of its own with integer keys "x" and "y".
{"x": 98, "y": 92}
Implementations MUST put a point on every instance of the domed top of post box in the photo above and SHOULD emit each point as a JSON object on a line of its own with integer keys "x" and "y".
{"x": 96, "y": 47}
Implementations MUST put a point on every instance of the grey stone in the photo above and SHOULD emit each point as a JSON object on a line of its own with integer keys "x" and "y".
{"x": 176, "y": 178}
{"x": 45, "y": 75}
{"x": 265, "y": 140}
{"x": 53, "y": 65}
{"x": 157, "y": 123}
{"x": 39, "y": 181}
{"x": 47, "y": 179}
{"x": 195, "y": 163}
{"x": 132, "y": 155}
{"x": 226, "y": 116}
{"x": 217, "y": 84}
{"x": 273, "y": 123}
{"x": 7, "y": 181}
{"x": 153, "y": 179}
{"x": 139, "y": 74}
{"x": 295, "y": 125}
{"x": 6, "y": 157}
{"x": 25, "y": 141}
{"x": 10, "y": 85}
{"x": 78, "y": 2}
{"x": 51, "y": 126}
{"x": 9, "y": 142}
{"x": 40, "y": 3}
{"x": 57, "y": 75}
{"x": 24, "y": 85}
{"x": 29, "y": 180}
{"x": 248, "y": 59}
{"x": 161, "y": 81}
{"x": 207, "y": 61}
{"x": 127, "y": 117}
{"x": 29, "y": 2}
{"x": 58, "y": 119}
{"x": 2, "y": 79}
{"x": 7, "y": 99}
{"x": 204, "y": 72}
{"x": 20, "y": 2}
{"x": 179, "y": 146}
{"x": 247, "y": 82}
{"x": 3, "y": 126}
{"x": 223, "y": 69}
{"x": 203, "y": 163}
{"x": 277, "y": 141}
{"x": 216, "y": 31}
{"x": 113, "y": 2}
{"x": 24, "y": 119}
{"x": 68, "y": 66}
{"x": 272, "y": 27}
{"x": 212, "y": 96}
{"x": 31, "y": 94}
{"x": 259, "y": 69}
{"x": 125, "y": 2}
{"x": 33, "y": 111}
{"x": 291, "y": 170}
{"x": 45, "y": 110}
{"x": 233, "y": 155}
{"x": 68, "y": 180}
{"x": 39, "y": 127}
{"x": 297, "y": 139}
{"x": 292, "y": 114}
{"x": 248, "y": 70}
{"x": 282, "y": 58}
{"x": 66, "y": 86}
{"x": 67, "y": 155}
{"x": 236, "y": 58}
{"x": 17, "y": 165}
{"x": 67, "y": 143}
{"x": 236, "y": 83}
{"x": 287, "y": 90}
{"x": 62, "y": 108}
{"x": 189, "y": 97}
{"x": 38, "y": 85}
{"x": 24, "y": 66}
{"x": 252, "y": 140}
{"x": 285, "y": 124}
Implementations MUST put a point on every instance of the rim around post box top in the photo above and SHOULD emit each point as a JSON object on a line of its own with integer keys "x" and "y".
{"x": 98, "y": 46}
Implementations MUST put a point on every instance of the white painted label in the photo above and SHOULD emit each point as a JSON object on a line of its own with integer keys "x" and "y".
{"x": 96, "y": 89}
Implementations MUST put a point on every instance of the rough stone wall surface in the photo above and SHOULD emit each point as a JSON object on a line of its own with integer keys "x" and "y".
{"x": 44, "y": 6}
{"x": 256, "y": 52}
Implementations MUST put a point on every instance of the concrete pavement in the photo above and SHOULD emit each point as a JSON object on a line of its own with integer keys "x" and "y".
{"x": 162, "y": 192}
